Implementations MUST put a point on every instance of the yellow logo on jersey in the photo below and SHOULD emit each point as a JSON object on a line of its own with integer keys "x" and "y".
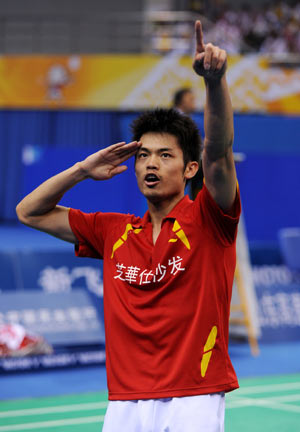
{"x": 210, "y": 343}
{"x": 180, "y": 234}
{"x": 124, "y": 237}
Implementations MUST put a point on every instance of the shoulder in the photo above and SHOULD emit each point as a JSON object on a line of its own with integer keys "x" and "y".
{"x": 222, "y": 224}
{"x": 102, "y": 218}
{"x": 100, "y": 223}
{"x": 206, "y": 200}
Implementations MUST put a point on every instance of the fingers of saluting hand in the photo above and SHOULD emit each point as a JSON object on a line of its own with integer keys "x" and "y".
{"x": 121, "y": 151}
{"x": 129, "y": 149}
{"x": 123, "y": 147}
{"x": 118, "y": 170}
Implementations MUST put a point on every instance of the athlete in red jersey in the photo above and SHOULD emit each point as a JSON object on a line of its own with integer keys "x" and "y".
{"x": 167, "y": 276}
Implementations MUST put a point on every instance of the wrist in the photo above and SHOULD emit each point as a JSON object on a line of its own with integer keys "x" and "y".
{"x": 80, "y": 172}
{"x": 214, "y": 81}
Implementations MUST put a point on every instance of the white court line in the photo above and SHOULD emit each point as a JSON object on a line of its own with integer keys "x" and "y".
{"x": 278, "y": 406}
{"x": 54, "y": 409}
{"x": 286, "y": 398}
{"x": 265, "y": 404}
{"x": 267, "y": 388}
{"x": 53, "y": 423}
{"x": 276, "y": 402}
{"x": 240, "y": 403}
{"x": 244, "y": 401}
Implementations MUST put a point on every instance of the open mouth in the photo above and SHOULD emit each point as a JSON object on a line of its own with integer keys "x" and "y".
{"x": 151, "y": 180}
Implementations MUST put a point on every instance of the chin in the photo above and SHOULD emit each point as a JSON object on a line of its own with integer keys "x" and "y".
{"x": 152, "y": 195}
{"x": 155, "y": 196}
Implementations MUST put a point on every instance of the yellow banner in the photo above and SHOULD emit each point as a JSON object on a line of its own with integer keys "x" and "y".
{"x": 132, "y": 82}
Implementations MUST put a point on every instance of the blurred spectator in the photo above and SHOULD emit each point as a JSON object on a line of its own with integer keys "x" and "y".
{"x": 184, "y": 100}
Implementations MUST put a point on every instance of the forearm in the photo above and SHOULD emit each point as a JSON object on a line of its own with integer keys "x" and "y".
{"x": 39, "y": 209}
{"x": 46, "y": 196}
{"x": 218, "y": 119}
{"x": 210, "y": 62}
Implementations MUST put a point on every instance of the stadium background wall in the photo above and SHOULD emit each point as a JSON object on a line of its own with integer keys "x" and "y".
{"x": 35, "y": 144}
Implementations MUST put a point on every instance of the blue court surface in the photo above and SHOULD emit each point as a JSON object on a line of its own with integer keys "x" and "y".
{"x": 274, "y": 359}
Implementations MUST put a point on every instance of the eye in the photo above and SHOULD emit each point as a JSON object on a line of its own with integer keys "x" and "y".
{"x": 166, "y": 155}
{"x": 142, "y": 155}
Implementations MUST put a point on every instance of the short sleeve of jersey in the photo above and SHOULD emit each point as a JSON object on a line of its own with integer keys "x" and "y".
{"x": 222, "y": 225}
{"x": 90, "y": 230}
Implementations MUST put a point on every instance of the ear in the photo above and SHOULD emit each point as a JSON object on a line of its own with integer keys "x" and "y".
{"x": 191, "y": 169}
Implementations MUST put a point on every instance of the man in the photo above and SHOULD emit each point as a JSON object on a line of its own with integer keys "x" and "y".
{"x": 168, "y": 275}
{"x": 184, "y": 100}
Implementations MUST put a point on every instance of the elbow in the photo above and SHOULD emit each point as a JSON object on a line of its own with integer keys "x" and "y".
{"x": 21, "y": 215}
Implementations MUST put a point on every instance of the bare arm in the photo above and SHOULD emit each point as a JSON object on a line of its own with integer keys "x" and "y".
{"x": 40, "y": 209}
{"x": 217, "y": 157}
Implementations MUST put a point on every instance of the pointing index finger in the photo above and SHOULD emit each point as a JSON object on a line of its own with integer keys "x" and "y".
{"x": 199, "y": 37}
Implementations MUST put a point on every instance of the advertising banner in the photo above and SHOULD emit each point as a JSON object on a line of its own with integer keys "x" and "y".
{"x": 62, "y": 318}
{"x": 134, "y": 82}
{"x": 278, "y": 295}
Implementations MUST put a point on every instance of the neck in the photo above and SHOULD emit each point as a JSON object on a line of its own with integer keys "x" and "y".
{"x": 159, "y": 210}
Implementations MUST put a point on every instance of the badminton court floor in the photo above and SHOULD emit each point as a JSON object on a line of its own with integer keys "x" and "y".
{"x": 261, "y": 405}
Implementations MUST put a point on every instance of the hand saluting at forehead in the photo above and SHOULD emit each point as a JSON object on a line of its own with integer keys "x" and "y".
{"x": 210, "y": 61}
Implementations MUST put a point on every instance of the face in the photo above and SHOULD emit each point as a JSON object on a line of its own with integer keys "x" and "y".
{"x": 188, "y": 103}
{"x": 159, "y": 167}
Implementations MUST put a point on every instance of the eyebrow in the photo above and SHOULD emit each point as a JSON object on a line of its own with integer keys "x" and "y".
{"x": 161, "y": 150}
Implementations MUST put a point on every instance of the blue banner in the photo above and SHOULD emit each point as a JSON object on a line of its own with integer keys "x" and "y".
{"x": 278, "y": 296}
{"x": 63, "y": 319}
{"x": 53, "y": 361}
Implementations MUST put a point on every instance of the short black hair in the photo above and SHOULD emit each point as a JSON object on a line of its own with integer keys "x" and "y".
{"x": 172, "y": 122}
{"x": 179, "y": 95}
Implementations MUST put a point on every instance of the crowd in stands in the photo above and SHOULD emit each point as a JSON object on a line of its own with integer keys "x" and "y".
{"x": 272, "y": 29}
{"x": 268, "y": 29}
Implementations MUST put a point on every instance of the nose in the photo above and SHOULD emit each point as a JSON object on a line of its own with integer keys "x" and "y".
{"x": 152, "y": 162}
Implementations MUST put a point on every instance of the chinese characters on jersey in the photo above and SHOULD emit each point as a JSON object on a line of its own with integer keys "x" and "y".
{"x": 136, "y": 275}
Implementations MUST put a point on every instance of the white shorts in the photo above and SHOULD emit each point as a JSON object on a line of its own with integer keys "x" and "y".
{"x": 203, "y": 413}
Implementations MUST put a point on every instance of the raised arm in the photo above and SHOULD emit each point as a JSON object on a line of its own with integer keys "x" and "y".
{"x": 217, "y": 157}
{"x": 39, "y": 209}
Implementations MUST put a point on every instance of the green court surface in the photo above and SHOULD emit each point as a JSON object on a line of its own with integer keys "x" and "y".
{"x": 260, "y": 405}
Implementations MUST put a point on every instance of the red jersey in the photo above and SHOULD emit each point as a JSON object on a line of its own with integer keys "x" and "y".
{"x": 166, "y": 306}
